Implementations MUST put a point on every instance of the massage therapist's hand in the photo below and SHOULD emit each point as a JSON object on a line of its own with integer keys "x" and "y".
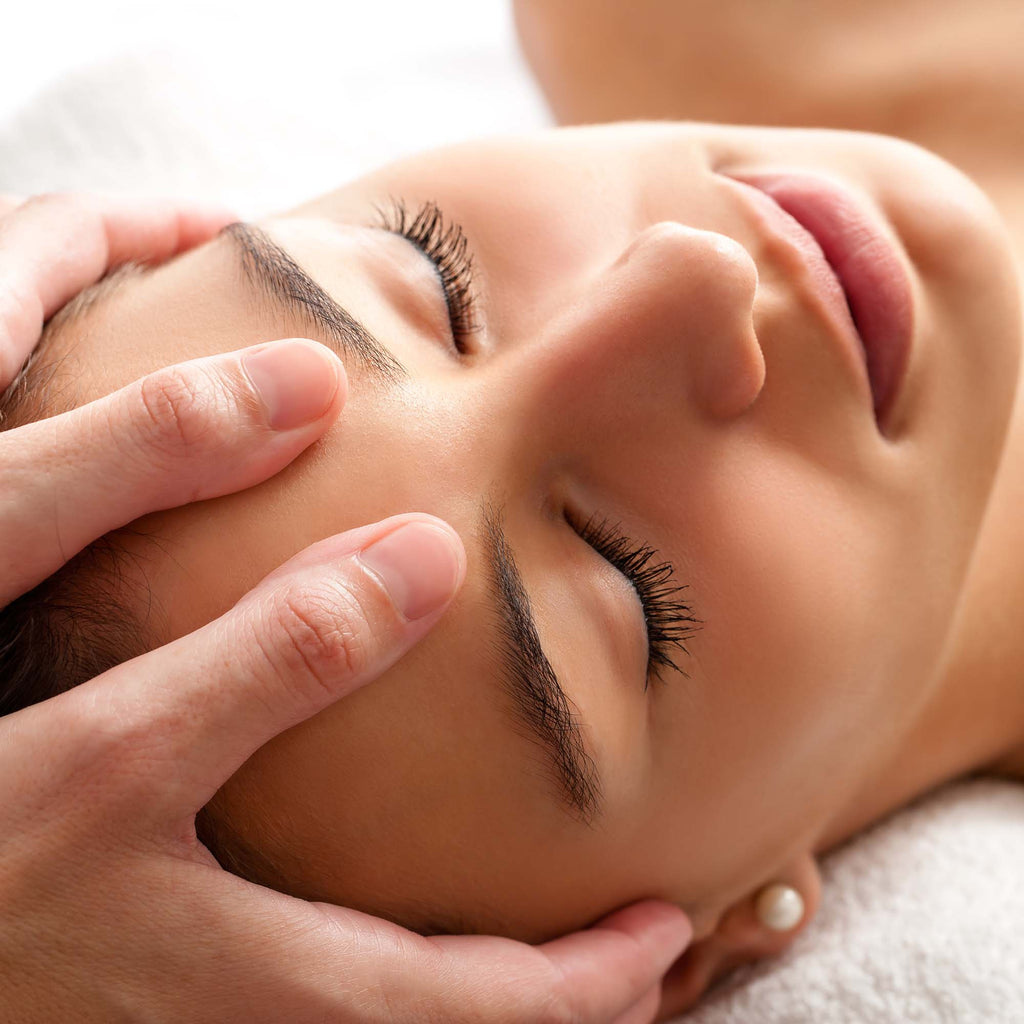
{"x": 111, "y": 908}
{"x": 54, "y": 246}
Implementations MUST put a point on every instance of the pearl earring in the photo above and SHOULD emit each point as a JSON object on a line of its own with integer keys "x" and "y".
{"x": 779, "y": 907}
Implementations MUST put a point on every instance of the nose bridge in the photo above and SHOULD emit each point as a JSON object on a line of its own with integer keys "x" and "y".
{"x": 661, "y": 336}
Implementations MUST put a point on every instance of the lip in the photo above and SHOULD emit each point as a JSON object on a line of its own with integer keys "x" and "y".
{"x": 862, "y": 265}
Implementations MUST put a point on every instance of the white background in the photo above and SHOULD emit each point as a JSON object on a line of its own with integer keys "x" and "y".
{"x": 255, "y": 104}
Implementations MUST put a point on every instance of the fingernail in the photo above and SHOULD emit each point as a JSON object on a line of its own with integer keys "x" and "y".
{"x": 296, "y": 380}
{"x": 419, "y": 564}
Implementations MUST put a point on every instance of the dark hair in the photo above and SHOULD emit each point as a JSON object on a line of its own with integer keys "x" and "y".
{"x": 74, "y": 625}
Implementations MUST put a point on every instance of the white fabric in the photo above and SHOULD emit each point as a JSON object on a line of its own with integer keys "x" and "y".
{"x": 258, "y": 110}
{"x": 922, "y": 919}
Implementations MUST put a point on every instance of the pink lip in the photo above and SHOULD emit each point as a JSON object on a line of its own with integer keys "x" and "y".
{"x": 864, "y": 265}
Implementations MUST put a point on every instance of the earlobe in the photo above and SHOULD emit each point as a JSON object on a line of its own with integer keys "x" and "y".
{"x": 745, "y": 933}
{"x": 762, "y": 923}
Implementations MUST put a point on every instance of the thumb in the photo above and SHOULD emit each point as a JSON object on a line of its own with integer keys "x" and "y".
{"x": 184, "y": 433}
{"x": 333, "y": 618}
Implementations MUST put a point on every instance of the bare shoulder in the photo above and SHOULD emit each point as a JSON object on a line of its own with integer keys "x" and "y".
{"x": 945, "y": 73}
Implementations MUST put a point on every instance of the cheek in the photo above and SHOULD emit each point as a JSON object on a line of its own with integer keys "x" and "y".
{"x": 816, "y": 610}
{"x": 816, "y": 646}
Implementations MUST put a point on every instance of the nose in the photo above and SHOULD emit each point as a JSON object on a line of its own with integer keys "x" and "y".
{"x": 665, "y": 330}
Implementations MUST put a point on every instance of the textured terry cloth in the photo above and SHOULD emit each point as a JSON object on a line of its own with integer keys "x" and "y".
{"x": 922, "y": 919}
{"x": 921, "y": 922}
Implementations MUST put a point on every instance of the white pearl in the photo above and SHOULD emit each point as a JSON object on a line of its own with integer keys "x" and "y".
{"x": 780, "y": 907}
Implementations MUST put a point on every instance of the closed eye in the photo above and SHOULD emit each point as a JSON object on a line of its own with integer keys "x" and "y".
{"x": 445, "y": 245}
{"x": 669, "y": 619}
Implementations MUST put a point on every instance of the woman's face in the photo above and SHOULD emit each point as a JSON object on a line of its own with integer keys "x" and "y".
{"x": 648, "y": 358}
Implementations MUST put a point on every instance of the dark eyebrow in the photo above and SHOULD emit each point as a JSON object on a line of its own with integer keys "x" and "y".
{"x": 538, "y": 696}
{"x": 280, "y": 279}
{"x": 539, "y": 699}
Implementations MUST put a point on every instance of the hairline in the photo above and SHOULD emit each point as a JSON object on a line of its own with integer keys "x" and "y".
{"x": 31, "y": 395}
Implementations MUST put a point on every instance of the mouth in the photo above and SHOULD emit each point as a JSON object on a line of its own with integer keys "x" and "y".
{"x": 853, "y": 266}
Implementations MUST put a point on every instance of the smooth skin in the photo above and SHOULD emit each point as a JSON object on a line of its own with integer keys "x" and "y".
{"x": 109, "y": 899}
{"x": 945, "y": 74}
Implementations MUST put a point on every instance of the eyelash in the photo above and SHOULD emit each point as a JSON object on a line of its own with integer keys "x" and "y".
{"x": 670, "y": 620}
{"x": 445, "y": 245}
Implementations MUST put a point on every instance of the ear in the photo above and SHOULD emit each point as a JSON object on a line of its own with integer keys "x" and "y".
{"x": 739, "y": 937}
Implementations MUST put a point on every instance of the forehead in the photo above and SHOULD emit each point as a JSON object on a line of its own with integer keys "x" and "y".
{"x": 144, "y": 319}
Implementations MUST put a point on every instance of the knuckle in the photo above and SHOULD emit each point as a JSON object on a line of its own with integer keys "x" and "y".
{"x": 321, "y": 632}
{"x": 175, "y": 411}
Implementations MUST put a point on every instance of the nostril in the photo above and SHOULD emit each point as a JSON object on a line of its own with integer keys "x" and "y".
{"x": 732, "y": 377}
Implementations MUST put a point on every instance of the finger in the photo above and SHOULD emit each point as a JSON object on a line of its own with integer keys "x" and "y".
{"x": 53, "y": 246}
{"x": 593, "y": 975}
{"x": 294, "y": 960}
{"x": 391, "y": 974}
{"x": 687, "y": 980}
{"x": 610, "y": 968}
{"x": 334, "y": 617}
{"x": 189, "y": 432}
{"x": 644, "y": 1011}
{"x": 9, "y": 202}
